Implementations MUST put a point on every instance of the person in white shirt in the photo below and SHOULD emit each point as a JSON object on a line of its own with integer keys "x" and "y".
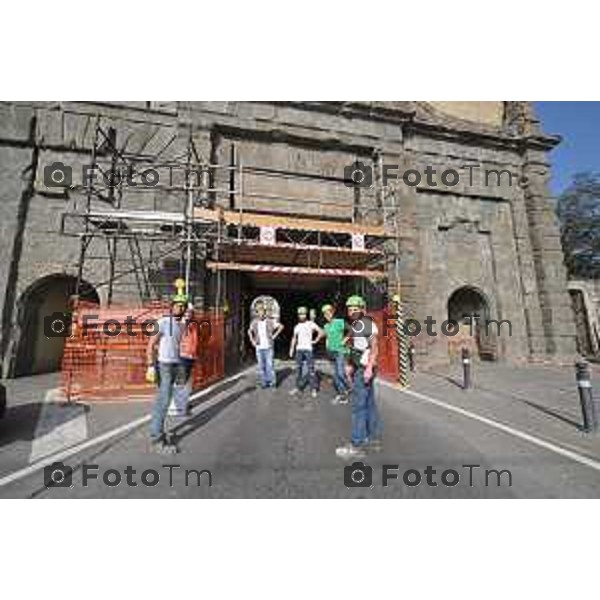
{"x": 301, "y": 346}
{"x": 263, "y": 332}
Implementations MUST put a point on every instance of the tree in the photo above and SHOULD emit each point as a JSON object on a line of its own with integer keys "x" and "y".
{"x": 578, "y": 211}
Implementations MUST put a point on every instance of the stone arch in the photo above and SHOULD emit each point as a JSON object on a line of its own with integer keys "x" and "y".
{"x": 471, "y": 308}
{"x": 468, "y": 300}
{"x": 35, "y": 352}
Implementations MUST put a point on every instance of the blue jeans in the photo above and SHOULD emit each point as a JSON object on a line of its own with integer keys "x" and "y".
{"x": 339, "y": 372}
{"x": 266, "y": 371}
{"x": 173, "y": 379}
{"x": 305, "y": 357}
{"x": 366, "y": 422}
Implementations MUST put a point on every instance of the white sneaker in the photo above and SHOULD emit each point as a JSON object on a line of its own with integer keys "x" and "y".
{"x": 340, "y": 399}
{"x": 294, "y": 392}
{"x": 375, "y": 446}
{"x": 314, "y": 393}
{"x": 350, "y": 451}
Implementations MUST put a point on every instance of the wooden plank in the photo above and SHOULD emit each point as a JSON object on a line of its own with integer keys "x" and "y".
{"x": 295, "y": 256}
{"x": 284, "y": 222}
{"x": 309, "y": 248}
{"x": 287, "y": 270}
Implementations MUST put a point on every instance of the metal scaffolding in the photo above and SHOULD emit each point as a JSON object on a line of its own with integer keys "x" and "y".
{"x": 128, "y": 221}
{"x": 225, "y": 217}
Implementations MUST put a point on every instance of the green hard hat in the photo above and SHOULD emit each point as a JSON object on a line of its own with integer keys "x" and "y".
{"x": 355, "y": 300}
{"x": 179, "y": 299}
{"x": 326, "y": 307}
{"x": 302, "y": 310}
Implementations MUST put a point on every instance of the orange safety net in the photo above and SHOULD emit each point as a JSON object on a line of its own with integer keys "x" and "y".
{"x": 105, "y": 356}
{"x": 388, "y": 367}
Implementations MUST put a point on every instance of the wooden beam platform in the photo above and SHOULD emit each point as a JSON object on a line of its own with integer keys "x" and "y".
{"x": 288, "y": 270}
{"x": 251, "y": 219}
{"x": 298, "y": 255}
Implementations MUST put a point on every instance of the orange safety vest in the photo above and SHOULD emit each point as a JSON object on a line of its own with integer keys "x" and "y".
{"x": 188, "y": 346}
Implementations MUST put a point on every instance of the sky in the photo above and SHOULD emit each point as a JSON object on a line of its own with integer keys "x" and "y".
{"x": 578, "y": 123}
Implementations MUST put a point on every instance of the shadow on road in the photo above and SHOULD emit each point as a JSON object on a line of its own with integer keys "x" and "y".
{"x": 459, "y": 383}
{"x": 22, "y": 422}
{"x": 194, "y": 423}
{"x": 207, "y": 397}
{"x": 283, "y": 374}
{"x": 454, "y": 380}
{"x": 512, "y": 396}
{"x": 19, "y": 423}
{"x": 553, "y": 413}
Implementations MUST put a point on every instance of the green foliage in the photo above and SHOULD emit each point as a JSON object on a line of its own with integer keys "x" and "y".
{"x": 578, "y": 210}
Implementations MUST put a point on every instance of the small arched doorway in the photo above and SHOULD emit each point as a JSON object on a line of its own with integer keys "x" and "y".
{"x": 470, "y": 308}
{"x": 36, "y": 352}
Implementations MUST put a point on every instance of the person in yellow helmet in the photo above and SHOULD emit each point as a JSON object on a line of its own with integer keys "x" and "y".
{"x": 173, "y": 372}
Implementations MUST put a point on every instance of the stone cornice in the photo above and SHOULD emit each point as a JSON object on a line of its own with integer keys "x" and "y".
{"x": 394, "y": 112}
{"x": 413, "y": 117}
{"x": 420, "y": 117}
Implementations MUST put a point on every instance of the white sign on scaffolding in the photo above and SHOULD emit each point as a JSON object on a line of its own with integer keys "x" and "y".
{"x": 267, "y": 235}
{"x": 358, "y": 241}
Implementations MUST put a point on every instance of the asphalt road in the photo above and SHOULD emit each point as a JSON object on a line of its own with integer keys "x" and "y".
{"x": 252, "y": 443}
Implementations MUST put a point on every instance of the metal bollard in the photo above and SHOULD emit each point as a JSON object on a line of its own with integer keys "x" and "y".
{"x": 584, "y": 385}
{"x": 411, "y": 357}
{"x": 466, "y": 362}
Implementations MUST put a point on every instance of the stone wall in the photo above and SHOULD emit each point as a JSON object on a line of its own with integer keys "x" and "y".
{"x": 490, "y": 113}
{"x": 501, "y": 239}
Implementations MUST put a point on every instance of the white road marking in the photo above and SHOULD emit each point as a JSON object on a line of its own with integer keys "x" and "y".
{"x": 58, "y": 427}
{"x": 575, "y": 456}
{"x": 60, "y": 456}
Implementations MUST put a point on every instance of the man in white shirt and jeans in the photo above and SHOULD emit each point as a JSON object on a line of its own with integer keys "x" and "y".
{"x": 302, "y": 344}
{"x": 263, "y": 332}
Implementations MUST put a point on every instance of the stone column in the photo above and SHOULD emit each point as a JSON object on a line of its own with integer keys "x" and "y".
{"x": 553, "y": 325}
{"x": 527, "y": 277}
{"x": 555, "y": 304}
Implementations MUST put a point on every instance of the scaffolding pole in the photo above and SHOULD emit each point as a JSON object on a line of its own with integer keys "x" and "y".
{"x": 223, "y": 234}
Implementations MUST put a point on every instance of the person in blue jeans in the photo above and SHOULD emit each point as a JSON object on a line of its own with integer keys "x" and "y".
{"x": 263, "y": 332}
{"x": 337, "y": 351}
{"x": 367, "y": 426}
{"x": 301, "y": 347}
{"x": 173, "y": 372}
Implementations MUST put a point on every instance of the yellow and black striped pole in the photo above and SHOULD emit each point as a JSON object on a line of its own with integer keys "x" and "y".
{"x": 403, "y": 345}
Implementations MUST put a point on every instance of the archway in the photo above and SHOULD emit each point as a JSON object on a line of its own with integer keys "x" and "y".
{"x": 467, "y": 301}
{"x": 470, "y": 308}
{"x": 36, "y": 352}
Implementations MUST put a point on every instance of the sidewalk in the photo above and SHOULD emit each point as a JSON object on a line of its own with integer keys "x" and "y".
{"x": 540, "y": 400}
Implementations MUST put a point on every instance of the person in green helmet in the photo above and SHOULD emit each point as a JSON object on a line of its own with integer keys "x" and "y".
{"x": 173, "y": 373}
{"x": 336, "y": 349}
{"x": 363, "y": 346}
{"x": 301, "y": 347}
{"x": 263, "y": 332}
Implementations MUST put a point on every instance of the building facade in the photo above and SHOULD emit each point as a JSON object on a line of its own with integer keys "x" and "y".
{"x": 585, "y": 294}
{"x": 485, "y": 243}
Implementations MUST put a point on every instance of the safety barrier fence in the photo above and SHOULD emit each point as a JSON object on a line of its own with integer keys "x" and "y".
{"x": 105, "y": 356}
{"x": 388, "y": 367}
